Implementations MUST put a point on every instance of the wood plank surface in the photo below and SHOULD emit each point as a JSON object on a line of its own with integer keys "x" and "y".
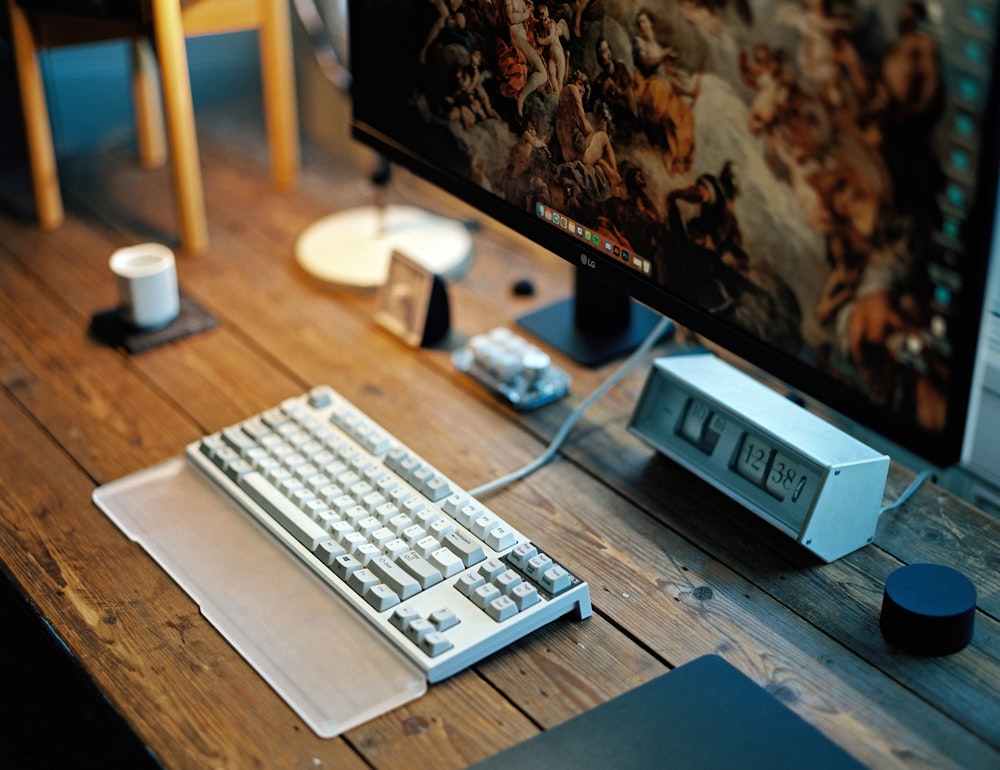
{"x": 676, "y": 569}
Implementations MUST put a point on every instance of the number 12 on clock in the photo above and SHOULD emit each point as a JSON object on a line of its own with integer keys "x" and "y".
{"x": 766, "y": 467}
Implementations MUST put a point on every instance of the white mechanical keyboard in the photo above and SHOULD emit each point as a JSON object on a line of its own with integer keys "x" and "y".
{"x": 447, "y": 581}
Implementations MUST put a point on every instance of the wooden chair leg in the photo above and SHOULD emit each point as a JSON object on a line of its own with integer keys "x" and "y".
{"x": 42, "y": 156}
{"x": 148, "y": 104}
{"x": 278, "y": 83}
{"x": 176, "y": 82}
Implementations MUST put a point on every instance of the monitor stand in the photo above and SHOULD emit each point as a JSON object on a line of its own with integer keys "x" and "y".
{"x": 353, "y": 247}
{"x": 597, "y": 325}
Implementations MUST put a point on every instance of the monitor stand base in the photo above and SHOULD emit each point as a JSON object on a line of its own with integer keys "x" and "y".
{"x": 556, "y": 325}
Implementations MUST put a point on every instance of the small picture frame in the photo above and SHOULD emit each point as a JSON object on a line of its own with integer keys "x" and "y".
{"x": 412, "y": 302}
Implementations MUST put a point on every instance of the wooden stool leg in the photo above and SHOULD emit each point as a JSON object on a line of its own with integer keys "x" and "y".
{"x": 180, "y": 124}
{"x": 278, "y": 82}
{"x": 148, "y": 103}
{"x": 45, "y": 177}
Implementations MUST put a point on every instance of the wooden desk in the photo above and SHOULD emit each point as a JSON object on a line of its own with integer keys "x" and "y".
{"x": 676, "y": 570}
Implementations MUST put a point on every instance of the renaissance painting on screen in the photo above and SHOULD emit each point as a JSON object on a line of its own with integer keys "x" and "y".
{"x": 801, "y": 169}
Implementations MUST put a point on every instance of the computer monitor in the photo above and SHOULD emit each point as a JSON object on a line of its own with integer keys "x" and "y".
{"x": 809, "y": 185}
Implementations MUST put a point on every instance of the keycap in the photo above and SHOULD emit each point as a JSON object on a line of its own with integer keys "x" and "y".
{"x": 403, "y": 616}
{"x": 427, "y": 545}
{"x": 501, "y": 608}
{"x": 483, "y": 523}
{"x": 506, "y": 581}
{"x": 484, "y": 595}
{"x": 420, "y": 569}
{"x": 301, "y": 527}
{"x": 418, "y": 629}
{"x": 362, "y": 579}
{"x": 381, "y": 597}
{"x": 446, "y": 561}
{"x": 435, "y": 643}
{"x": 524, "y": 595}
{"x": 328, "y": 551}
{"x": 344, "y": 566}
{"x": 490, "y": 568}
{"x": 469, "y": 582}
{"x": 443, "y": 619}
{"x": 555, "y": 580}
{"x": 500, "y": 538}
{"x": 394, "y": 576}
{"x": 465, "y": 547}
{"x": 537, "y": 565}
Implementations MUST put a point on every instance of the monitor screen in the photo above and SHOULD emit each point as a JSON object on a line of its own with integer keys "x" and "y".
{"x": 808, "y": 184}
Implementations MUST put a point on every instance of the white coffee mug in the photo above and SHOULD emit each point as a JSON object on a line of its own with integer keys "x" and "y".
{"x": 147, "y": 284}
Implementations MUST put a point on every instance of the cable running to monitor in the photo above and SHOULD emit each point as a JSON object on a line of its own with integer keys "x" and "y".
{"x": 908, "y": 492}
{"x": 637, "y": 355}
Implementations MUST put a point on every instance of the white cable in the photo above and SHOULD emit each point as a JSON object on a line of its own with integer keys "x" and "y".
{"x": 908, "y": 492}
{"x": 658, "y": 331}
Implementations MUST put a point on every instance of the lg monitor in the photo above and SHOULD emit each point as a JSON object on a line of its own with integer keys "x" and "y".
{"x": 807, "y": 184}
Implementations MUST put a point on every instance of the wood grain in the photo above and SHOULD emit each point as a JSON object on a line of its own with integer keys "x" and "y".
{"x": 676, "y": 569}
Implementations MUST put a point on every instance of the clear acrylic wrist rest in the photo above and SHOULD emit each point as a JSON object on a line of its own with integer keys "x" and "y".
{"x": 323, "y": 659}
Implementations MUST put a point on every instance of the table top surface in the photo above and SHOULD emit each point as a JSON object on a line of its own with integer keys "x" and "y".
{"x": 676, "y": 569}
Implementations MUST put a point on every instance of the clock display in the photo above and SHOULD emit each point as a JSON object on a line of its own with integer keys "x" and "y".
{"x": 701, "y": 426}
{"x": 766, "y": 467}
{"x": 784, "y": 477}
{"x": 811, "y": 480}
{"x": 753, "y": 459}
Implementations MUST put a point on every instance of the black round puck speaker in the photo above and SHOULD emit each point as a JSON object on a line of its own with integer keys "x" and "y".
{"x": 928, "y": 609}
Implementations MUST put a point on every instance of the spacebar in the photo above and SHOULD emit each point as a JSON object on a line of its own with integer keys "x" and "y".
{"x": 300, "y": 526}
